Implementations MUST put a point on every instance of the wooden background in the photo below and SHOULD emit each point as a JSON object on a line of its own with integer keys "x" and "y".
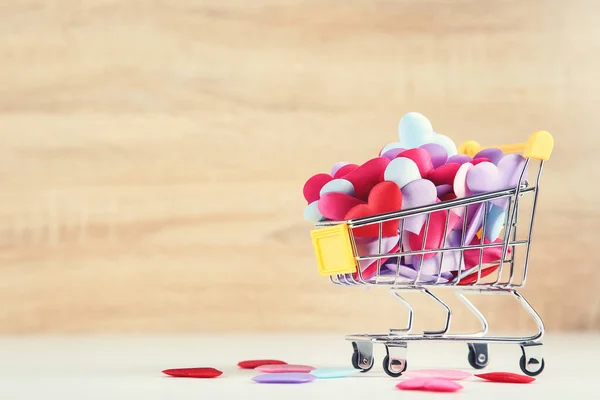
{"x": 152, "y": 153}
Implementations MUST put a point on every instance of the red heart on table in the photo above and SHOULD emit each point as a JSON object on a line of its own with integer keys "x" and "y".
{"x": 421, "y": 157}
{"x": 435, "y": 232}
{"x": 313, "y": 185}
{"x": 335, "y": 206}
{"x": 384, "y": 197}
{"x": 251, "y": 364}
{"x": 507, "y": 377}
{"x": 444, "y": 175}
{"x": 345, "y": 170}
{"x": 365, "y": 177}
{"x": 490, "y": 254}
{"x": 467, "y": 280}
{"x": 193, "y": 372}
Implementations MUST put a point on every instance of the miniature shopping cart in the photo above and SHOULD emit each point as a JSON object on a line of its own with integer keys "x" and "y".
{"x": 339, "y": 257}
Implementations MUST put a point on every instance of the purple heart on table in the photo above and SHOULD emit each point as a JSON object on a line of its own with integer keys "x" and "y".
{"x": 418, "y": 193}
{"x": 493, "y": 154}
{"x": 459, "y": 159}
{"x": 438, "y": 154}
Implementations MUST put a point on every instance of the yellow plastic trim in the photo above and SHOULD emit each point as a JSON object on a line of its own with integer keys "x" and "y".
{"x": 333, "y": 249}
{"x": 539, "y": 147}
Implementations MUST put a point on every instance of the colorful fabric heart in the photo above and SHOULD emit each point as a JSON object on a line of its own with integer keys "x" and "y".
{"x": 401, "y": 171}
{"x": 437, "y": 153}
{"x": 505, "y": 377}
{"x": 471, "y": 276}
{"x": 337, "y": 186}
{"x": 490, "y": 254}
{"x": 494, "y": 222}
{"x": 384, "y": 197}
{"x": 443, "y": 190}
{"x": 479, "y": 161}
{"x": 492, "y": 154}
{"x": 336, "y": 167}
{"x": 204, "y": 372}
{"x": 345, "y": 170}
{"x": 421, "y": 158}
{"x": 365, "y": 177}
{"x": 487, "y": 177}
{"x": 371, "y": 270}
{"x": 251, "y": 364}
{"x": 409, "y": 274}
{"x": 335, "y": 206}
{"x": 445, "y": 142}
{"x": 313, "y": 186}
{"x": 370, "y": 246}
{"x": 451, "y": 374}
{"x": 460, "y": 180}
{"x": 435, "y": 232}
{"x": 444, "y": 175}
{"x": 429, "y": 385}
{"x": 391, "y": 151}
{"x": 418, "y": 193}
{"x": 450, "y": 262}
{"x": 312, "y": 213}
{"x": 459, "y": 159}
{"x": 414, "y": 130}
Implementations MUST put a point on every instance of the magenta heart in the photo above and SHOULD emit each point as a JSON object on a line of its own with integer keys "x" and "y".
{"x": 334, "y": 206}
{"x": 365, "y": 177}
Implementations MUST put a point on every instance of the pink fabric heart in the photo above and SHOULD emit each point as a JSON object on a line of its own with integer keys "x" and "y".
{"x": 430, "y": 385}
{"x": 313, "y": 186}
{"x": 334, "y": 206}
{"x": 451, "y": 374}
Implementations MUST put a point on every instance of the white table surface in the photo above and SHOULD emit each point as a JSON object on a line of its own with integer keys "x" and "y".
{"x": 130, "y": 367}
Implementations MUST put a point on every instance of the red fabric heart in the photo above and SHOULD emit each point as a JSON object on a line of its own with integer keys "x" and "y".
{"x": 467, "y": 280}
{"x": 384, "y": 197}
{"x": 507, "y": 377}
{"x": 313, "y": 186}
{"x": 193, "y": 372}
{"x": 365, "y": 177}
{"x": 444, "y": 175}
{"x": 480, "y": 160}
{"x": 251, "y": 364}
{"x": 448, "y": 196}
{"x": 345, "y": 170}
{"x": 490, "y": 254}
{"x": 335, "y": 206}
{"x": 371, "y": 270}
{"x": 435, "y": 232}
{"x": 421, "y": 157}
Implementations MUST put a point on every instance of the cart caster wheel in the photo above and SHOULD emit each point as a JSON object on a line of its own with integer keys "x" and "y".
{"x": 362, "y": 358}
{"x": 398, "y": 368}
{"x": 478, "y": 355}
{"x": 531, "y": 362}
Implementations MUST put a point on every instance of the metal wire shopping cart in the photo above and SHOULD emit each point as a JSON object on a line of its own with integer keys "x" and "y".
{"x": 339, "y": 257}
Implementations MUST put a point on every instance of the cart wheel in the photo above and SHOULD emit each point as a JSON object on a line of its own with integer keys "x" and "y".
{"x": 528, "y": 370}
{"x": 478, "y": 355}
{"x": 393, "y": 374}
{"x": 367, "y": 358}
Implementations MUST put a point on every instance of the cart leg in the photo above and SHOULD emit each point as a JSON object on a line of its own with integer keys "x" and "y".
{"x": 532, "y": 363}
{"x": 362, "y": 358}
{"x": 394, "y": 363}
{"x": 478, "y": 355}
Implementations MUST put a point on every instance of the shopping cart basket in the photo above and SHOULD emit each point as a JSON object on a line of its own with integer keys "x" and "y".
{"x": 339, "y": 257}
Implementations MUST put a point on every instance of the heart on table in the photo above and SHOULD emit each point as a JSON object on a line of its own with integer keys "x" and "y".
{"x": 384, "y": 197}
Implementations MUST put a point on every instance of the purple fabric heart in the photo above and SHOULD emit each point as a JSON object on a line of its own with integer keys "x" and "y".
{"x": 437, "y": 152}
{"x": 451, "y": 261}
{"x": 417, "y": 193}
{"x": 392, "y": 153}
{"x": 459, "y": 159}
{"x": 492, "y": 154}
{"x": 409, "y": 274}
{"x": 443, "y": 189}
{"x": 487, "y": 177}
{"x": 370, "y": 246}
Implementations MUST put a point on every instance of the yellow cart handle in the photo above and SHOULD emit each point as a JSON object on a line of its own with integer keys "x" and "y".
{"x": 539, "y": 147}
